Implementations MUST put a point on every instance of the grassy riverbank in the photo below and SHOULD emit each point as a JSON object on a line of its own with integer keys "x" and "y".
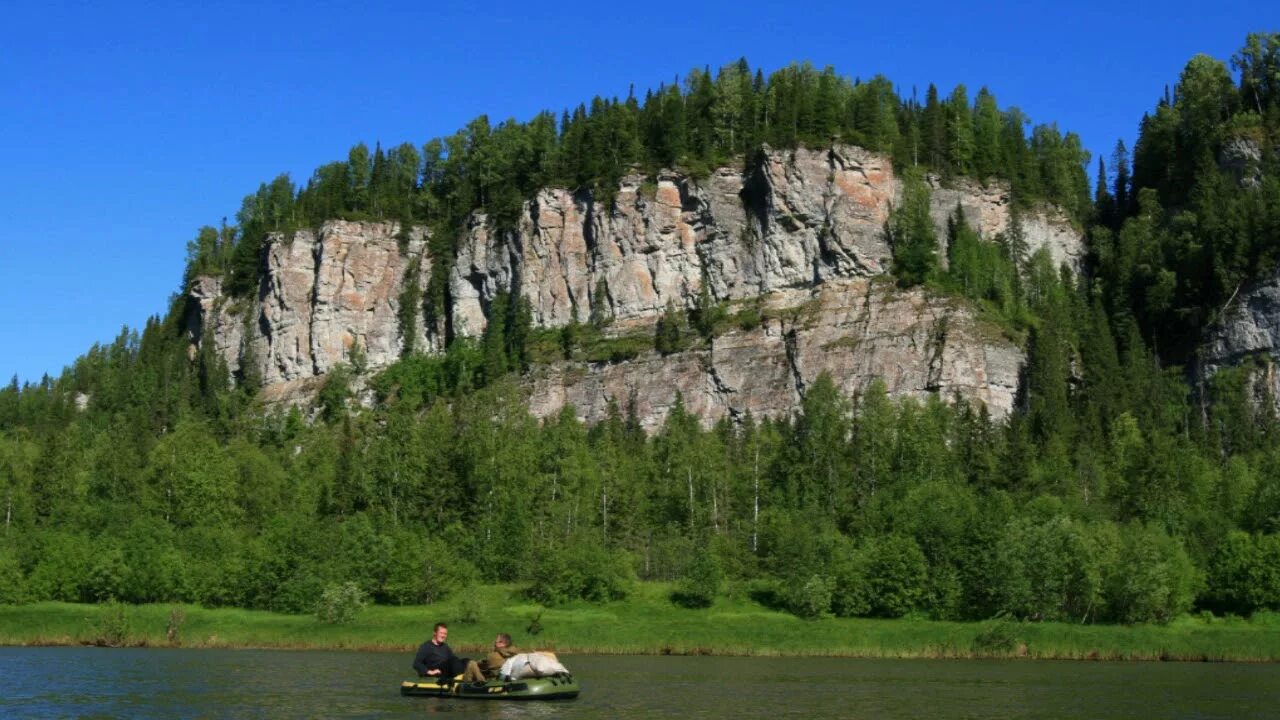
{"x": 646, "y": 623}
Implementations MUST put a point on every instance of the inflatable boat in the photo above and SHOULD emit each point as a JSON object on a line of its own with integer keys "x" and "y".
{"x": 560, "y": 686}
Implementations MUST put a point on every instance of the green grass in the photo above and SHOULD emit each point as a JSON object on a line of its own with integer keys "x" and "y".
{"x": 645, "y": 623}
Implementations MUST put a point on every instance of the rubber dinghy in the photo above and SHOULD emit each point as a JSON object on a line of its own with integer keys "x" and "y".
{"x": 560, "y": 686}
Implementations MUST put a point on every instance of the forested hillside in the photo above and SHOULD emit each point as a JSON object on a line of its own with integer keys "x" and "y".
{"x": 1122, "y": 489}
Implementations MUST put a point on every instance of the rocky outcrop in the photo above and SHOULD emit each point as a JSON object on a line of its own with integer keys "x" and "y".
{"x": 328, "y": 296}
{"x": 858, "y": 331}
{"x": 987, "y": 211}
{"x": 800, "y": 229}
{"x": 1242, "y": 158}
{"x": 796, "y": 219}
{"x": 1248, "y": 330}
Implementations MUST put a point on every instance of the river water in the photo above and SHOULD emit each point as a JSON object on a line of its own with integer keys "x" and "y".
{"x": 157, "y": 683}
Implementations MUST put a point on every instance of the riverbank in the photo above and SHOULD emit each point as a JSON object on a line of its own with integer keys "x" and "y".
{"x": 645, "y": 623}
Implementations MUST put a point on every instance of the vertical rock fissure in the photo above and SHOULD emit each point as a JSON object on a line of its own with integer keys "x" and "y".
{"x": 587, "y": 211}
{"x": 935, "y": 348}
{"x": 719, "y": 386}
{"x": 790, "y": 342}
{"x": 317, "y": 257}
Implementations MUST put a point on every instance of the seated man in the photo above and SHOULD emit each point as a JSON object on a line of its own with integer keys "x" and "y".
{"x": 436, "y": 659}
{"x": 502, "y": 649}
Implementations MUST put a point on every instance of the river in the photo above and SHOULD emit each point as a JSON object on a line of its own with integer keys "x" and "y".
{"x": 174, "y": 683}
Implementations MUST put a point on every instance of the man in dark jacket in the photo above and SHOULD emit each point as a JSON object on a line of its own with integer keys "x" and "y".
{"x": 436, "y": 659}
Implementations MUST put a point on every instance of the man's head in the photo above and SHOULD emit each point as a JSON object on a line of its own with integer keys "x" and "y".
{"x": 441, "y": 632}
{"x": 503, "y": 640}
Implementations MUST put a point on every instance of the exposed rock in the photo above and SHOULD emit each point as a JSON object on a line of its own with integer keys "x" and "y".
{"x": 987, "y": 211}
{"x": 857, "y": 331}
{"x": 1242, "y": 157}
{"x": 1249, "y": 329}
{"x": 803, "y": 229}
{"x": 322, "y": 296}
{"x": 797, "y": 219}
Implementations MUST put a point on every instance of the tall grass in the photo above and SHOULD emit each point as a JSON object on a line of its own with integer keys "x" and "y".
{"x": 647, "y": 622}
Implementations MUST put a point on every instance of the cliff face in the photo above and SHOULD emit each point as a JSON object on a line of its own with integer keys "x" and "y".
{"x": 324, "y": 296}
{"x": 802, "y": 231}
{"x": 1249, "y": 329}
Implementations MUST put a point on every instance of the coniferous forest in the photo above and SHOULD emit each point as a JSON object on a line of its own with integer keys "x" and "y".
{"x": 1123, "y": 488}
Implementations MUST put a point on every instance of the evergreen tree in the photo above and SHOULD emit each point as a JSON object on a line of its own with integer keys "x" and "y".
{"x": 911, "y": 234}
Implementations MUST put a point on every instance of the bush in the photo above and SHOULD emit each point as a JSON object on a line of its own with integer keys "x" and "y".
{"x": 60, "y": 571}
{"x": 107, "y": 576}
{"x": 469, "y": 605}
{"x": 336, "y": 391}
{"x": 581, "y": 570}
{"x": 13, "y": 586}
{"x": 1154, "y": 580}
{"x": 850, "y": 595}
{"x": 667, "y": 333}
{"x": 113, "y": 627}
{"x": 442, "y": 571}
{"x": 998, "y": 636}
{"x": 340, "y": 603}
{"x": 1244, "y": 574}
{"x": 749, "y": 317}
{"x": 701, "y": 582}
{"x": 810, "y": 599}
{"x": 215, "y": 567}
{"x": 896, "y": 574}
{"x": 1046, "y": 569}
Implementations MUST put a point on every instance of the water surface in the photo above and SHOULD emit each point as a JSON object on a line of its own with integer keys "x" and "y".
{"x": 157, "y": 683}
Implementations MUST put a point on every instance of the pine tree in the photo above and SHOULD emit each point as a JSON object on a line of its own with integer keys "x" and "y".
{"x": 959, "y": 129}
{"x": 934, "y": 128}
{"x": 987, "y": 160}
{"x": 911, "y": 234}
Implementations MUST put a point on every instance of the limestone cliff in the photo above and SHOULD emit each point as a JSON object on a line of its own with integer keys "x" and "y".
{"x": 1249, "y": 326}
{"x": 1249, "y": 329}
{"x": 801, "y": 232}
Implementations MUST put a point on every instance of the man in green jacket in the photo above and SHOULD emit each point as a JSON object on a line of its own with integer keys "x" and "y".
{"x": 502, "y": 649}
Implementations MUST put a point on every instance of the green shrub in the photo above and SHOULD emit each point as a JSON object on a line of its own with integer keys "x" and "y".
{"x": 1047, "y": 570}
{"x": 107, "y": 576}
{"x": 749, "y": 317}
{"x": 667, "y": 337}
{"x": 897, "y": 576}
{"x": 60, "y": 571}
{"x": 701, "y": 583}
{"x": 173, "y": 630}
{"x": 113, "y": 627}
{"x": 336, "y": 391}
{"x": 340, "y": 603}
{"x": 1154, "y": 580}
{"x": 810, "y": 599}
{"x": 582, "y": 570}
{"x": 469, "y": 605}
{"x": 997, "y": 636}
{"x": 1244, "y": 574}
{"x": 13, "y": 586}
{"x": 442, "y": 571}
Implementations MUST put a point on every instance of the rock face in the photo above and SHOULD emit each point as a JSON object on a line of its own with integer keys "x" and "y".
{"x": 326, "y": 298}
{"x": 855, "y": 330}
{"x": 800, "y": 230}
{"x": 1250, "y": 329}
{"x": 1242, "y": 157}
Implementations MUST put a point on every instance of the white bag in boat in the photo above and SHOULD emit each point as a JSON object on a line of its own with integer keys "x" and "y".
{"x": 531, "y": 665}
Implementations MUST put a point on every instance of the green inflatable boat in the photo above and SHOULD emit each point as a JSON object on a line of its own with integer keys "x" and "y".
{"x": 560, "y": 686}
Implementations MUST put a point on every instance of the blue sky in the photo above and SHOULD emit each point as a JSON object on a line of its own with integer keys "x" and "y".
{"x": 124, "y": 127}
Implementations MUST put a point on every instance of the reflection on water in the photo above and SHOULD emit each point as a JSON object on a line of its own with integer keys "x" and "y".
{"x": 155, "y": 683}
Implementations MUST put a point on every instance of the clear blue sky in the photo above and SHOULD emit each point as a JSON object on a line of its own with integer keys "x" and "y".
{"x": 124, "y": 127}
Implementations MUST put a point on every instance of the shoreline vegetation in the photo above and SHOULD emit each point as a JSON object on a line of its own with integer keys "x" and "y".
{"x": 646, "y": 623}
